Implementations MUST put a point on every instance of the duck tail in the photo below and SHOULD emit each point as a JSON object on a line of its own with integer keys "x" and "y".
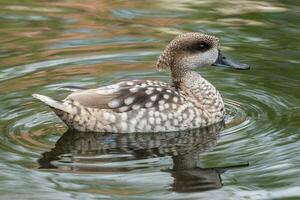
{"x": 54, "y": 104}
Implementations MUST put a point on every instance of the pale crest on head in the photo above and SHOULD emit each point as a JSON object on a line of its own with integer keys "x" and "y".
{"x": 163, "y": 61}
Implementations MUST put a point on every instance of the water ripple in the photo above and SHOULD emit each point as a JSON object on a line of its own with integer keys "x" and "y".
{"x": 53, "y": 44}
{"x": 18, "y": 71}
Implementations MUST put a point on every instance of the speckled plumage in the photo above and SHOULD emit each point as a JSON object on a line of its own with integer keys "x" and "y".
{"x": 187, "y": 102}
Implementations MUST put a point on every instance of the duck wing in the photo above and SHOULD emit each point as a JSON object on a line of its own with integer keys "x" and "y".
{"x": 128, "y": 95}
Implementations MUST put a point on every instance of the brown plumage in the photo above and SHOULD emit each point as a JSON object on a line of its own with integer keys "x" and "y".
{"x": 189, "y": 101}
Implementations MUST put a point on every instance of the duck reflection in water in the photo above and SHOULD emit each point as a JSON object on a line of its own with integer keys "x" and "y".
{"x": 184, "y": 147}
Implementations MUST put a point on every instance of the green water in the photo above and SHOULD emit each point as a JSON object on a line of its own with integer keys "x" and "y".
{"x": 49, "y": 44}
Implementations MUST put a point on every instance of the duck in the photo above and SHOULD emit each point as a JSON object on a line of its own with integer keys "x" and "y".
{"x": 187, "y": 101}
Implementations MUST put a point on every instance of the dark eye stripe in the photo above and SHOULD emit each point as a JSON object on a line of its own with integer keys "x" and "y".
{"x": 202, "y": 46}
{"x": 199, "y": 46}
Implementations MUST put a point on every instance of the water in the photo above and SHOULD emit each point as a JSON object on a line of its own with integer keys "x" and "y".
{"x": 49, "y": 44}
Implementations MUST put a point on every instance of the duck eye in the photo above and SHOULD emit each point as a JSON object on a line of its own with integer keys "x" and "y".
{"x": 199, "y": 46}
{"x": 203, "y": 46}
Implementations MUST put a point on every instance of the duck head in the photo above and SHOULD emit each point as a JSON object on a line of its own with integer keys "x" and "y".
{"x": 189, "y": 51}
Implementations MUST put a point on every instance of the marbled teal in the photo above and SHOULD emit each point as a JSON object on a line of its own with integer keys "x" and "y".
{"x": 188, "y": 101}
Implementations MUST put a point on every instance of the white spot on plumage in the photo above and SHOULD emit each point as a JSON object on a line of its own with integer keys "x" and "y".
{"x": 106, "y": 115}
{"x": 191, "y": 114}
{"x": 150, "y": 82}
{"x": 133, "y": 122}
{"x": 167, "y": 105}
{"x": 166, "y": 96}
{"x": 114, "y": 86}
{"x": 151, "y": 113}
{"x": 168, "y": 124}
{"x": 112, "y": 118}
{"x": 124, "y": 116}
{"x": 143, "y": 85}
{"x": 149, "y": 104}
{"x": 123, "y": 126}
{"x": 136, "y": 106}
{"x": 159, "y": 89}
{"x": 170, "y": 115}
{"x": 151, "y": 120}
{"x": 141, "y": 124}
{"x": 169, "y": 91}
{"x": 174, "y": 106}
{"x": 148, "y": 91}
{"x": 153, "y": 98}
{"x": 129, "y": 83}
{"x": 114, "y": 129}
{"x": 129, "y": 100}
{"x": 156, "y": 113}
{"x": 198, "y": 121}
{"x": 123, "y": 108}
{"x": 134, "y": 89}
{"x": 114, "y": 103}
{"x": 161, "y": 102}
{"x": 161, "y": 107}
{"x": 175, "y": 99}
{"x": 184, "y": 116}
{"x": 148, "y": 127}
{"x": 157, "y": 120}
{"x": 175, "y": 122}
{"x": 163, "y": 116}
{"x": 179, "y": 110}
{"x": 140, "y": 113}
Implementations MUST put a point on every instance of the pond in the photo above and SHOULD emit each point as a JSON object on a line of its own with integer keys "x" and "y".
{"x": 46, "y": 45}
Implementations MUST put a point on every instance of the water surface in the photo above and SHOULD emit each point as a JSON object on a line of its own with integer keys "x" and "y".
{"x": 46, "y": 45}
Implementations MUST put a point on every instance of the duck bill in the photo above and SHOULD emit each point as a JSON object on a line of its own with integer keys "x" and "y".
{"x": 222, "y": 61}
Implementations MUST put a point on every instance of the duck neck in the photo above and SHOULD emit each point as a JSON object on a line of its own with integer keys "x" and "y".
{"x": 178, "y": 77}
{"x": 205, "y": 94}
{"x": 188, "y": 80}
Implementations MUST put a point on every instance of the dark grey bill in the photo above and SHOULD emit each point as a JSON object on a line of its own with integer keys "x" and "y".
{"x": 222, "y": 61}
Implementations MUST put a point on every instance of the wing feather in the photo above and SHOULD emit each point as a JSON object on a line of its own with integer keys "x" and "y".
{"x": 126, "y": 96}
